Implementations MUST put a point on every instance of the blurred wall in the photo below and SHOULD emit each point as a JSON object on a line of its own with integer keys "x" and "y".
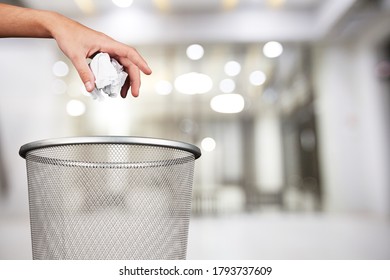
{"x": 352, "y": 110}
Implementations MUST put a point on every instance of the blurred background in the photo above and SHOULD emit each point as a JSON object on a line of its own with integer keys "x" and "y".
{"x": 289, "y": 101}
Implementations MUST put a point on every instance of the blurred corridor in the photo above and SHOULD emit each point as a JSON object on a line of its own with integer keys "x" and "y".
{"x": 289, "y": 101}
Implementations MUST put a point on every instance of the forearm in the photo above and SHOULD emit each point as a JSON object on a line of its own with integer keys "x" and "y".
{"x": 24, "y": 22}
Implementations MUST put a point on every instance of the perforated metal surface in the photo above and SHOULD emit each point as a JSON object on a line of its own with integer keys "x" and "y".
{"x": 109, "y": 201}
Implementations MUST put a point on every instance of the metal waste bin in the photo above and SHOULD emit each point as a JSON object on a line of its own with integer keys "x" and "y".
{"x": 109, "y": 197}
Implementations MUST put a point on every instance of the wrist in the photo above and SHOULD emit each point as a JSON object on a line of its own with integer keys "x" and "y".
{"x": 50, "y": 23}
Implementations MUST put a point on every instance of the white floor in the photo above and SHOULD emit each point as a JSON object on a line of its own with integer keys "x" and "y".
{"x": 289, "y": 236}
{"x": 261, "y": 236}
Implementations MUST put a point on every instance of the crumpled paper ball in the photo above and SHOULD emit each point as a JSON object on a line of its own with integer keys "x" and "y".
{"x": 109, "y": 76}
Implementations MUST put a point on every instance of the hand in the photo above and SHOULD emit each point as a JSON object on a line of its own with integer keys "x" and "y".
{"x": 79, "y": 42}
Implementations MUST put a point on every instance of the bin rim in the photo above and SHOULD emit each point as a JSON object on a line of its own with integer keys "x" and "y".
{"x": 125, "y": 140}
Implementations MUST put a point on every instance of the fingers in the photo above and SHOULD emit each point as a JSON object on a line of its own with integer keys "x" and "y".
{"x": 125, "y": 87}
{"x": 129, "y": 53}
{"x": 133, "y": 80}
{"x": 85, "y": 72}
{"x": 133, "y": 63}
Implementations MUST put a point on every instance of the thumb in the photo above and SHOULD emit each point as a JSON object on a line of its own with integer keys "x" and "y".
{"x": 85, "y": 73}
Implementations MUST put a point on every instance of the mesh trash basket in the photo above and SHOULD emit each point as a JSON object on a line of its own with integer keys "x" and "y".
{"x": 109, "y": 197}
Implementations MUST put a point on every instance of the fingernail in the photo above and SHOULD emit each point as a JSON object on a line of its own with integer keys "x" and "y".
{"x": 88, "y": 86}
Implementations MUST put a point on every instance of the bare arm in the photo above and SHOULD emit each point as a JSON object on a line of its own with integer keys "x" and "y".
{"x": 77, "y": 42}
{"x": 22, "y": 22}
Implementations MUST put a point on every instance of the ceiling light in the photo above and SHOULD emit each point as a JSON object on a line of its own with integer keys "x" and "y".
{"x": 208, "y": 144}
{"x": 195, "y": 52}
{"x": 75, "y": 108}
{"x": 257, "y": 78}
{"x": 229, "y": 4}
{"x": 228, "y": 103}
{"x": 232, "y": 68}
{"x": 60, "y": 69}
{"x": 123, "y": 3}
{"x": 227, "y": 85}
{"x": 275, "y": 3}
{"x": 162, "y": 5}
{"x": 163, "y": 87}
{"x": 193, "y": 83}
{"x": 272, "y": 49}
{"x": 86, "y": 6}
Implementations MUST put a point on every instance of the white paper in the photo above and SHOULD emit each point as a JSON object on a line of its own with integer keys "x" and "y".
{"x": 109, "y": 76}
